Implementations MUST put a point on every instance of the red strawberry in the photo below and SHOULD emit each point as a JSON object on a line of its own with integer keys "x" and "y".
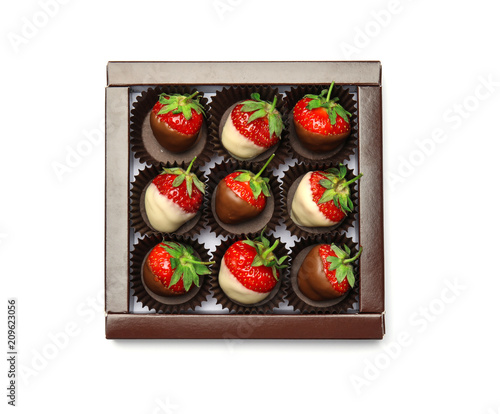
{"x": 326, "y": 272}
{"x": 242, "y": 195}
{"x": 171, "y": 199}
{"x": 249, "y": 270}
{"x": 172, "y": 268}
{"x": 321, "y": 124}
{"x": 253, "y": 127}
{"x": 330, "y": 198}
{"x": 176, "y": 121}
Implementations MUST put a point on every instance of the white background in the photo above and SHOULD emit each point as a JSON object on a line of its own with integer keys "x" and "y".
{"x": 441, "y": 209}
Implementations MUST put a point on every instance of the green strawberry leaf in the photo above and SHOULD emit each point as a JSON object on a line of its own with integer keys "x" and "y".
{"x": 265, "y": 190}
{"x": 275, "y": 124}
{"x": 176, "y": 276}
{"x": 243, "y": 177}
{"x": 249, "y": 242}
{"x": 343, "y": 203}
{"x": 328, "y": 195}
{"x": 334, "y": 171}
{"x": 350, "y": 205}
{"x": 338, "y": 251}
{"x": 350, "y": 276}
{"x": 174, "y": 262}
{"x": 199, "y": 185}
{"x": 173, "y": 252}
{"x": 168, "y": 108}
{"x": 256, "y": 189}
{"x": 178, "y": 180}
{"x": 341, "y": 273}
{"x": 334, "y": 262}
{"x": 176, "y": 171}
{"x": 257, "y": 261}
{"x": 186, "y": 111}
{"x": 282, "y": 259}
{"x": 347, "y": 250}
{"x": 326, "y": 184}
{"x": 201, "y": 269}
{"x": 250, "y": 106}
{"x": 257, "y": 114}
{"x": 342, "y": 170}
{"x": 189, "y": 185}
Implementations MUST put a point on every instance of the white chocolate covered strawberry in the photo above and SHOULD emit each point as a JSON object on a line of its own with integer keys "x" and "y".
{"x": 322, "y": 198}
{"x": 252, "y": 127}
{"x": 173, "y": 198}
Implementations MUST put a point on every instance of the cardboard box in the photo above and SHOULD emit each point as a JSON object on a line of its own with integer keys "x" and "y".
{"x": 122, "y": 322}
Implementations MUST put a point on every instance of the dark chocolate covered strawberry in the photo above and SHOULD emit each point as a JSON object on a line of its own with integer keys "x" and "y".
{"x": 249, "y": 270}
{"x": 252, "y": 127}
{"x": 242, "y": 195}
{"x": 320, "y": 122}
{"x": 322, "y": 198}
{"x": 173, "y": 268}
{"x": 326, "y": 272}
{"x": 173, "y": 198}
{"x": 176, "y": 121}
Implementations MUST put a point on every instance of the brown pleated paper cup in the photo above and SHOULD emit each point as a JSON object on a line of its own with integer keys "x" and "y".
{"x": 348, "y": 303}
{"x": 344, "y": 150}
{"x": 291, "y": 181}
{"x": 138, "y": 217}
{"x": 264, "y": 307}
{"x": 269, "y": 218}
{"x": 166, "y": 304}
{"x": 220, "y": 109}
{"x": 144, "y": 144}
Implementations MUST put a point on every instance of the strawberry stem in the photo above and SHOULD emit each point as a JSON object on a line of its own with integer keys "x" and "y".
{"x": 351, "y": 181}
{"x": 330, "y": 91}
{"x": 185, "y": 260}
{"x": 352, "y": 259}
{"x": 190, "y": 165}
{"x": 193, "y": 95}
{"x": 275, "y": 100}
{"x": 264, "y": 167}
{"x": 270, "y": 249}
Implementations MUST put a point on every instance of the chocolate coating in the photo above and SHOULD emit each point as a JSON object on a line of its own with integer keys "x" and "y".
{"x": 232, "y": 209}
{"x": 312, "y": 279}
{"x": 318, "y": 142}
{"x": 154, "y": 284}
{"x": 170, "y": 139}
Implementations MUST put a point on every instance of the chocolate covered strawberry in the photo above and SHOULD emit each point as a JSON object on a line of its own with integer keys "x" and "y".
{"x": 322, "y": 198}
{"x": 249, "y": 270}
{"x": 176, "y": 121}
{"x": 252, "y": 127}
{"x": 242, "y": 195}
{"x": 173, "y": 198}
{"x": 326, "y": 272}
{"x": 320, "y": 122}
{"x": 173, "y": 268}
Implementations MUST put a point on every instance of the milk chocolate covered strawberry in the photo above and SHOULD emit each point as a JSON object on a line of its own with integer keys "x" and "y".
{"x": 176, "y": 121}
{"x": 173, "y": 198}
{"x": 326, "y": 272}
{"x": 249, "y": 270}
{"x": 320, "y": 122}
{"x": 242, "y": 195}
{"x": 173, "y": 269}
{"x": 252, "y": 127}
{"x": 322, "y": 198}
